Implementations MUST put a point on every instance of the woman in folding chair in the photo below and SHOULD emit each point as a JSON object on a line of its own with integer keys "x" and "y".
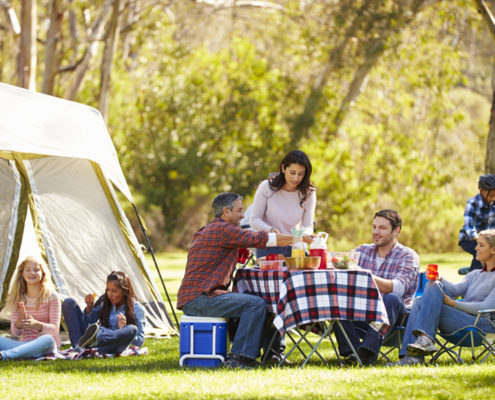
{"x": 436, "y": 309}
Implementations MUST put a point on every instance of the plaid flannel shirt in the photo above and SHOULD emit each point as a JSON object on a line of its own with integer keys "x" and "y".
{"x": 401, "y": 263}
{"x": 478, "y": 216}
{"x": 212, "y": 259}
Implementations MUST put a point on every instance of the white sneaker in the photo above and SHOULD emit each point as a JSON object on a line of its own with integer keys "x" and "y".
{"x": 423, "y": 346}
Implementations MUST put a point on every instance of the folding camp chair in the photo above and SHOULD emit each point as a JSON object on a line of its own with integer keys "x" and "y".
{"x": 471, "y": 337}
{"x": 396, "y": 335}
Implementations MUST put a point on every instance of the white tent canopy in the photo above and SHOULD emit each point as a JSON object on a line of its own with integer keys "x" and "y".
{"x": 58, "y": 171}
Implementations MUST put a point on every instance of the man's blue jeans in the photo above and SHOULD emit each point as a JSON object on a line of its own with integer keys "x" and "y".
{"x": 469, "y": 246}
{"x": 429, "y": 314}
{"x": 363, "y": 336}
{"x": 74, "y": 320}
{"x": 39, "y": 347}
{"x": 251, "y": 311}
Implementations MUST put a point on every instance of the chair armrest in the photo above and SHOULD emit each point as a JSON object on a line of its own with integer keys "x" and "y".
{"x": 488, "y": 310}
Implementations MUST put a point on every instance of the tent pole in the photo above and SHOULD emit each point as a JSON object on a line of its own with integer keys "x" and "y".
{"x": 150, "y": 250}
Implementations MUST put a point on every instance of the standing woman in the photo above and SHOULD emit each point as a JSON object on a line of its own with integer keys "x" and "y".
{"x": 35, "y": 313}
{"x": 121, "y": 318}
{"x": 437, "y": 309}
{"x": 284, "y": 201}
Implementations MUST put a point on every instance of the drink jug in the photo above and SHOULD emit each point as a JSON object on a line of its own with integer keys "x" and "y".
{"x": 319, "y": 248}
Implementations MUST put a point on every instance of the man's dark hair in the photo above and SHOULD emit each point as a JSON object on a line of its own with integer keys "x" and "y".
{"x": 392, "y": 216}
{"x": 226, "y": 199}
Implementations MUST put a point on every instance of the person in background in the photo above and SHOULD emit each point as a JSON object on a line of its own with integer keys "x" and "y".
{"x": 395, "y": 270}
{"x": 210, "y": 264}
{"x": 35, "y": 313}
{"x": 285, "y": 200}
{"x": 436, "y": 309}
{"x": 478, "y": 216}
{"x": 121, "y": 318}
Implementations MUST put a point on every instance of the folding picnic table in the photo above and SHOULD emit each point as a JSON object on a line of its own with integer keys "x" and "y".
{"x": 307, "y": 297}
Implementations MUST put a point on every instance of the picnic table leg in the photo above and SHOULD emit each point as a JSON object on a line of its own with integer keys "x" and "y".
{"x": 349, "y": 342}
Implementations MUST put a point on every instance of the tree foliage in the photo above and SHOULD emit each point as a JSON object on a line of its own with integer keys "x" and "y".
{"x": 387, "y": 97}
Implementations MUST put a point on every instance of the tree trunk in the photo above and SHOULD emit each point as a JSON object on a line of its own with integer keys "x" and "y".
{"x": 26, "y": 72}
{"x": 490, "y": 144}
{"x": 83, "y": 65}
{"x": 52, "y": 38}
{"x": 106, "y": 64}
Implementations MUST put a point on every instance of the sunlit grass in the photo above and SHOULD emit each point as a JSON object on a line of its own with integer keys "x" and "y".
{"x": 158, "y": 375}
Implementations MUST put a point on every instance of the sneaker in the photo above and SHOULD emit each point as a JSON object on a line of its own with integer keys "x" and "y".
{"x": 423, "y": 346}
{"x": 275, "y": 359}
{"x": 463, "y": 271}
{"x": 88, "y": 339}
{"x": 239, "y": 362}
{"x": 406, "y": 361}
{"x": 352, "y": 360}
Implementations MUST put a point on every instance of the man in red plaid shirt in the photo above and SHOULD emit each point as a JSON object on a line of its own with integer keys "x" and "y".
{"x": 210, "y": 264}
{"x": 395, "y": 270}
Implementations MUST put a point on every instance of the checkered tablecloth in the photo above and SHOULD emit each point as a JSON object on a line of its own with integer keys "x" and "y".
{"x": 301, "y": 297}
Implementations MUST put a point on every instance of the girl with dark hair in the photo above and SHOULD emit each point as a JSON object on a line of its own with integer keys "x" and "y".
{"x": 121, "y": 318}
{"x": 285, "y": 201}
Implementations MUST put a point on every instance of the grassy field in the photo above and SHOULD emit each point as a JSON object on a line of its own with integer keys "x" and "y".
{"x": 159, "y": 376}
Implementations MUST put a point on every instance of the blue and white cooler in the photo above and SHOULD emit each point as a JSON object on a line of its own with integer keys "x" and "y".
{"x": 203, "y": 341}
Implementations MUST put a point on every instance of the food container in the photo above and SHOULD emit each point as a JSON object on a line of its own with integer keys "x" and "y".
{"x": 271, "y": 265}
{"x": 297, "y": 263}
{"x": 345, "y": 259}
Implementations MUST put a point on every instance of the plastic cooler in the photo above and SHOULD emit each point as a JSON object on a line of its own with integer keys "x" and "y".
{"x": 203, "y": 341}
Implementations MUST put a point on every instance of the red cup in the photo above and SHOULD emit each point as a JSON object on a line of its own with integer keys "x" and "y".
{"x": 432, "y": 272}
{"x": 243, "y": 255}
{"x": 320, "y": 253}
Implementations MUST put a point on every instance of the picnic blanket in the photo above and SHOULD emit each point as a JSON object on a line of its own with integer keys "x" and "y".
{"x": 81, "y": 354}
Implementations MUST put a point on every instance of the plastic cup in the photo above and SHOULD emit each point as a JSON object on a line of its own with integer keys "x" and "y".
{"x": 320, "y": 253}
{"x": 243, "y": 255}
{"x": 432, "y": 272}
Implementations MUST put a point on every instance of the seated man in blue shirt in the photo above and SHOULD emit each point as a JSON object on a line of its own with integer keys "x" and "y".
{"x": 478, "y": 216}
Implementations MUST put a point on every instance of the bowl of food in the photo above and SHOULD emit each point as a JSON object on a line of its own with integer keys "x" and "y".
{"x": 298, "y": 263}
{"x": 345, "y": 259}
{"x": 271, "y": 265}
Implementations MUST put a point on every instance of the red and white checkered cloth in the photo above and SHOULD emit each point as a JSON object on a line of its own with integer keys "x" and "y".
{"x": 301, "y": 297}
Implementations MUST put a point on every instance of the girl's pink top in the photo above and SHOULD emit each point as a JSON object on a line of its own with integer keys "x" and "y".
{"x": 47, "y": 313}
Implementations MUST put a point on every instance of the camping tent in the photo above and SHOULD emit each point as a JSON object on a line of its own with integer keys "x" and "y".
{"x": 59, "y": 176}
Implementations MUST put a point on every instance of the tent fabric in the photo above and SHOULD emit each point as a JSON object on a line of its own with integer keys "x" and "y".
{"x": 34, "y": 123}
{"x": 75, "y": 220}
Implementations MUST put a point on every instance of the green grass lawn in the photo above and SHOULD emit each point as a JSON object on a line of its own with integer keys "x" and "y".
{"x": 159, "y": 376}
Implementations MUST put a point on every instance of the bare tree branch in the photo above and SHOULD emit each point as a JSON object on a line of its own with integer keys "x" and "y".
{"x": 97, "y": 30}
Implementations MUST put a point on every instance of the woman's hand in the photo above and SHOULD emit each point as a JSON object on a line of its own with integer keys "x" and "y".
{"x": 22, "y": 315}
{"x": 447, "y": 300}
{"x": 122, "y": 321}
{"x": 309, "y": 238}
{"x": 274, "y": 230}
{"x": 31, "y": 323}
{"x": 89, "y": 299}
